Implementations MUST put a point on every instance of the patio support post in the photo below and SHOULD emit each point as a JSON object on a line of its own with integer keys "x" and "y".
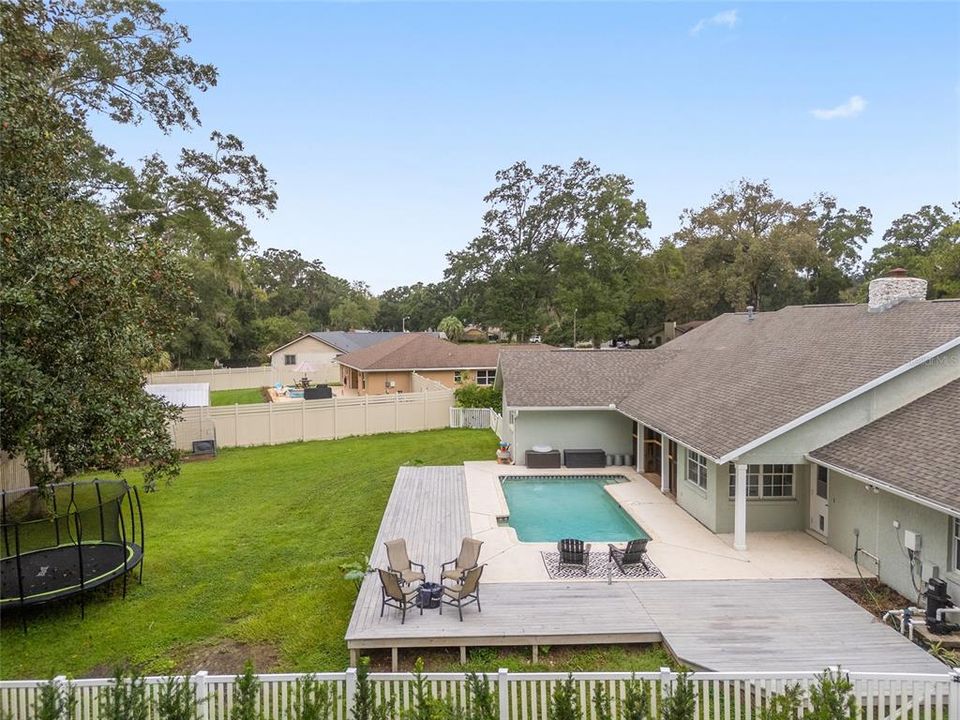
{"x": 664, "y": 464}
{"x": 740, "y": 508}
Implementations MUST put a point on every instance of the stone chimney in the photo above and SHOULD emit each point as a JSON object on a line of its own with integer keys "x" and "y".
{"x": 895, "y": 288}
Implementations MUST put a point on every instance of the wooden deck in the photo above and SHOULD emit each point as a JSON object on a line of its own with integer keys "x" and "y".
{"x": 723, "y": 625}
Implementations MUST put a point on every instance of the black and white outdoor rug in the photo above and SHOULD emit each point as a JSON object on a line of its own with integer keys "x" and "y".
{"x": 597, "y": 568}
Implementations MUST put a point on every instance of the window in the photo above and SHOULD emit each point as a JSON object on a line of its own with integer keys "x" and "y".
{"x": 289, "y": 359}
{"x": 486, "y": 377}
{"x": 765, "y": 482}
{"x": 697, "y": 469}
{"x": 956, "y": 544}
{"x": 458, "y": 376}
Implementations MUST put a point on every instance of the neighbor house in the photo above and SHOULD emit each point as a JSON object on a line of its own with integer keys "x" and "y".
{"x": 323, "y": 348}
{"x": 391, "y": 366}
{"x": 839, "y": 420}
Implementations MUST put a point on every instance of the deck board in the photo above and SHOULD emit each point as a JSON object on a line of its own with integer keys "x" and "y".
{"x": 724, "y": 625}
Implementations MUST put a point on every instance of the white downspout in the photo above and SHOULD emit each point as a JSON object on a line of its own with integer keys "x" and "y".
{"x": 740, "y": 509}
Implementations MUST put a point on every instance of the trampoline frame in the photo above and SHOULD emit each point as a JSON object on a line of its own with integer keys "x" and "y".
{"x": 132, "y": 551}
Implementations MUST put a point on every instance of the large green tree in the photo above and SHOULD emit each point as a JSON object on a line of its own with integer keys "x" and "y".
{"x": 94, "y": 252}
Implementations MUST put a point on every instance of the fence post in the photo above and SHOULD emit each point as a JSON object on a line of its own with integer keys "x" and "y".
{"x": 200, "y": 694}
{"x": 666, "y": 683}
{"x": 503, "y": 693}
{"x": 236, "y": 425}
{"x": 396, "y": 412}
{"x": 60, "y": 684}
{"x": 953, "y": 711}
{"x": 303, "y": 418}
{"x": 424, "y": 396}
{"x": 270, "y": 425}
{"x": 334, "y": 417}
{"x": 351, "y": 682}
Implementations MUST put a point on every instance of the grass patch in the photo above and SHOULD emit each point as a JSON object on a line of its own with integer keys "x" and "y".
{"x": 240, "y": 549}
{"x": 245, "y": 396}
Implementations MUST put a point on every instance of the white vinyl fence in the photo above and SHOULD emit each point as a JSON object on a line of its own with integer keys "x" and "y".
{"x": 245, "y": 377}
{"x": 526, "y": 696}
{"x": 297, "y": 421}
{"x": 477, "y": 419}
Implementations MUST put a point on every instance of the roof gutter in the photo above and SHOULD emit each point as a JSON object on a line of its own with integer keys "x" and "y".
{"x": 565, "y": 408}
{"x": 836, "y": 402}
{"x": 887, "y": 487}
{"x": 418, "y": 369}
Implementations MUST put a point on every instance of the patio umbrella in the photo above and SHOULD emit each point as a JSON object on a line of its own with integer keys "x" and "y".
{"x": 305, "y": 367}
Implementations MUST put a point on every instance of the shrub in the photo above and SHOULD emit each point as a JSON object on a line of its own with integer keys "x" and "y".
{"x": 601, "y": 703}
{"x": 783, "y": 706}
{"x": 364, "y": 705}
{"x": 832, "y": 698}
{"x": 311, "y": 700}
{"x": 55, "y": 702}
{"x": 176, "y": 700}
{"x": 483, "y": 704}
{"x": 680, "y": 702}
{"x": 564, "y": 704}
{"x": 472, "y": 395}
{"x": 125, "y": 698}
{"x": 246, "y": 696}
{"x": 636, "y": 700}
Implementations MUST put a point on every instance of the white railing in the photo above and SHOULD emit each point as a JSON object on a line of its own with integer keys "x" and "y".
{"x": 474, "y": 418}
{"x": 526, "y": 696}
{"x": 496, "y": 423}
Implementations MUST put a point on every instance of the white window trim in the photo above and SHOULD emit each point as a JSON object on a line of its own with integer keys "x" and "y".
{"x": 760, "y": 474}
{"x": 698, "y": 463}
{"x": 486, "y": 377}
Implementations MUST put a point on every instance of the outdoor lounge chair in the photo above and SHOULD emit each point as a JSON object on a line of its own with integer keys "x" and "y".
{"x": 465, "y": 592}
{"x": 631, "y": 555}
{"x": 400, "y": 562}
{"x": 393, "y": 595}
{"x": 573, "y": 553}
{"x": 467, "y": 559}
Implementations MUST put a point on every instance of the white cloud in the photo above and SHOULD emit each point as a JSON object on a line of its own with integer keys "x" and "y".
{"x": 851, "y": 108}
{"x": 728, "y": 19}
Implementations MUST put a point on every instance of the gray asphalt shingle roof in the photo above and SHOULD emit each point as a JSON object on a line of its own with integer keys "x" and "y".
{"x": 735, "y": 380}
{"x": 349, "y": 341}
{"x": 915, "y": 449}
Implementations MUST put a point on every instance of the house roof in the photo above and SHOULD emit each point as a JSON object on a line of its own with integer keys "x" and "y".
{"x": 572, "y": 378}
{"x": 737, "y": 381}
{"x": 915, "y": 449}
{"x": 422, "y": 351}
{"x": 349, "y": 340}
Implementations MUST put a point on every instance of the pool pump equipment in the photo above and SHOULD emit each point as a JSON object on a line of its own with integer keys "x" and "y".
{"x": 937, "y": 599}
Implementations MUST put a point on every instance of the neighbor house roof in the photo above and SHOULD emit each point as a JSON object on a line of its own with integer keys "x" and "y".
{"x": 737, "y": 380}
{"x": 350, "y": 340}
{"x": 914, "y": 450}
{"x": 421, "y": 351}
{"x": 572, "y": 378}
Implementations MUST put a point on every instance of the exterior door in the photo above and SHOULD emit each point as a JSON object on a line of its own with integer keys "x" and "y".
{"x": 819, "y": 505}
{"x": 672, "y": 449}
{"x": 651, "y": 451}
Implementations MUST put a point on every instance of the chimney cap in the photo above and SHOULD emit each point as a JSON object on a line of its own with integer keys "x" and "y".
{"x": 897, "y": 272}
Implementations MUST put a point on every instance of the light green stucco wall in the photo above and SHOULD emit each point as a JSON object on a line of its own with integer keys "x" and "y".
{"x": 572, "y": 429}
{"x": 767, "y": 515}
{"x": 854, "y": 505}
{"x": 702, "y": 504}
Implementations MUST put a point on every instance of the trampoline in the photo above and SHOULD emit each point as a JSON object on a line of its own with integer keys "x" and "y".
{"x": 68, "y": 539}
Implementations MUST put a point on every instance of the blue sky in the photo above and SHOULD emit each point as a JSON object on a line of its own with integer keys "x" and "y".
{"x": 384, "y": 123}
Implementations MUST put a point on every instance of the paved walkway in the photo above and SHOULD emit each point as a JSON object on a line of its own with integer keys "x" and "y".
{"x": 724, "y": 625}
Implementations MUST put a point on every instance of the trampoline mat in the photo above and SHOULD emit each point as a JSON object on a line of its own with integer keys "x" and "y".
{"x": 55, "y": 572}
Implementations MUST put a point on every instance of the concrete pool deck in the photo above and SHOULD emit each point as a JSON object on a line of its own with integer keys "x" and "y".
{"x": 680, "y": 546}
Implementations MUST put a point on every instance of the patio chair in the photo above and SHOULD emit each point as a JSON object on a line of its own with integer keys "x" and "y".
{"x": 573, "y": 553}
{"x": 400, "y": 563}
{"x": 631, "y": 555}
{"x": 393, "y": 595}
{"x": 467, "y": 559}
{"x": 465, "y": 592}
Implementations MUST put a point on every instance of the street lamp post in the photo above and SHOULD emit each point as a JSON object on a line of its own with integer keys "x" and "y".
{"x": 403, "y": 323}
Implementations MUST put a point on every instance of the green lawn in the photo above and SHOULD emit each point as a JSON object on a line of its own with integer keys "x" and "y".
{"x": 246, "y": 396}
{"x": 241, "y": 552}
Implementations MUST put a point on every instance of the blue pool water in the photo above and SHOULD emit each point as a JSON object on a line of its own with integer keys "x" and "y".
{"x": 548, "y": 508}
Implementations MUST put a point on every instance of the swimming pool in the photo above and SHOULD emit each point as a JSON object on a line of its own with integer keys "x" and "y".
{"x": 545, "y": 508}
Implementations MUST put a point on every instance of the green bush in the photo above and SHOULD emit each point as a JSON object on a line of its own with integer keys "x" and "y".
{"x": 364, "y": 705}
{"x": 680, "y": 702}
{"x": 832, "y": 698}
{"x": 311, "y": 700}
{"x": 125, "y": 699}
{"x": 636, "y": 701}
{"x": 601, "y": 703}
{"x": 246, "y": 696}
{"x": 55, "y": 703}
{"x": 483, "y": 704}
{"x": 472, "y": 395}
{"x": 176, "y": 700}
{"x": 564, "y": 703}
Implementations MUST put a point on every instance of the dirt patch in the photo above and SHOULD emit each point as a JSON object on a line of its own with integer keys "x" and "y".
{"x": 870, "y": 594}
{"x": 227, "y": 657}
